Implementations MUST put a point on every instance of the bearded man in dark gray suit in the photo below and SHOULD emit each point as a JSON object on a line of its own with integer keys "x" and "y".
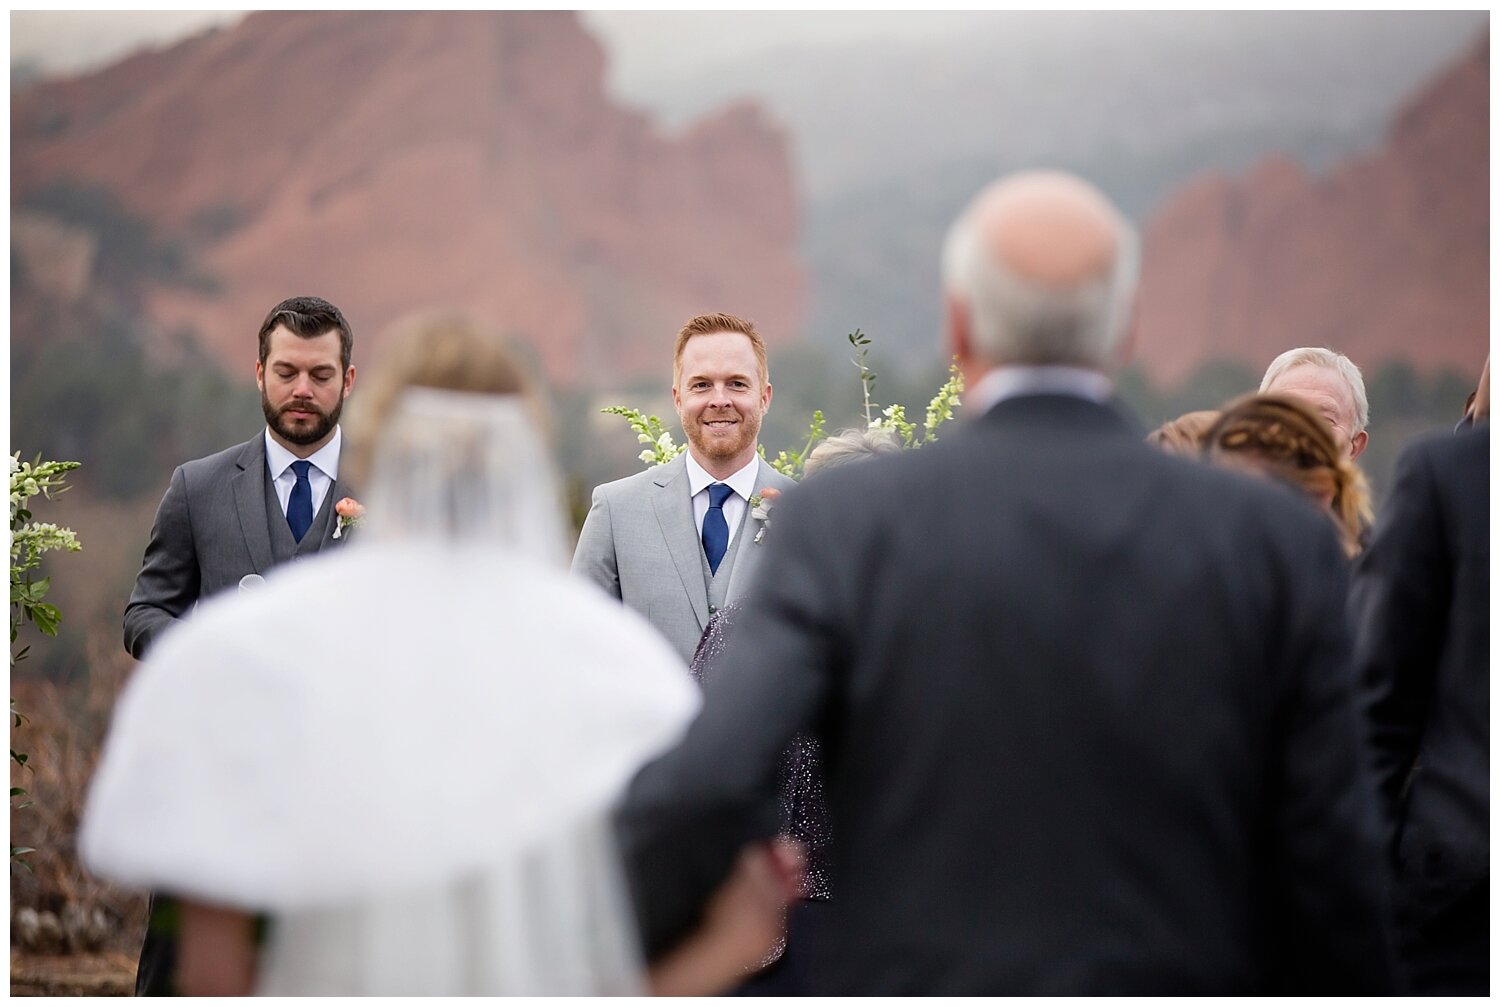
{"x": 1088, "y": 712}
{"x": 240, "y": 512}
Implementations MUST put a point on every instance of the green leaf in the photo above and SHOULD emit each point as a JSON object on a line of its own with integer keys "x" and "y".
{"x": 46, "y": 618}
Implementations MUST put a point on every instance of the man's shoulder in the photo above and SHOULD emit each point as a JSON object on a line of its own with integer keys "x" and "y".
{"x": 230, "y": 457}
{"x": 771, "y": 478}
{"x": 1442, "y": 449}
{"x": 638, "y": 482}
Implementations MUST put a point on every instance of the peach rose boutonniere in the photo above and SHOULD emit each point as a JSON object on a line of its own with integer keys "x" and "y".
{"x": 760, "y": 510}
{"x": 350, "y": 512}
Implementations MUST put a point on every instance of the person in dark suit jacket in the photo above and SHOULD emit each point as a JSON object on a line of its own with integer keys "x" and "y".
{"x": 248, "y": 508}
{"x": 1421, "y": 602}
{"x": 1087, "y": 711}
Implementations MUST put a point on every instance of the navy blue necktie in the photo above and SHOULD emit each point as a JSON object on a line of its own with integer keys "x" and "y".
{"x": 715, "y": 528}
{"x": 299, "y": 507}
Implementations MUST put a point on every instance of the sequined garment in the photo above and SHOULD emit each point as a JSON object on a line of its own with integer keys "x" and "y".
{"x": 804, "y": 812}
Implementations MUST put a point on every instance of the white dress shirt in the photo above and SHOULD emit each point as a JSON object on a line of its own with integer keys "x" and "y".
{"x": 742, "y": 482}
{"x": 1009, "y": 382}
{"x": 325, "y": 469}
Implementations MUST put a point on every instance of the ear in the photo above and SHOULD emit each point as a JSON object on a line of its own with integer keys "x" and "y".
{"x": 349, "y": 380}
{"x": 956, "y": 329}
{"x": 1357, "y": 443}
{"x": 260, "y": 376}
{"x": 765, "y": 397}
{"x": 1125, "y": 349}
{"x": 676, "y": 398}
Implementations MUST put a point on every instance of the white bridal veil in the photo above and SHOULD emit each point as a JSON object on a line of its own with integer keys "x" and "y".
{"x": 404, "y": 751}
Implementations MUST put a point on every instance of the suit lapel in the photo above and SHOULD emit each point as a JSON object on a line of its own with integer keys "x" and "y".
{"x": 336, "y": 492}
{"x": 748, "y": 557}
{"x": 674, "y": 513}
{"x": 250, "y": 502}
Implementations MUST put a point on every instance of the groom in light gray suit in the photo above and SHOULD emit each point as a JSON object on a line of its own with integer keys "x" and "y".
{"x": 678, "y": 542}
{"x": 246, "y": 509}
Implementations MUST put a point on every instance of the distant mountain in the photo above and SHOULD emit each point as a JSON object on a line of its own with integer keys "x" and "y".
{"x": 395, "y": 161}
{"x": 1384, "y": 257}
{"x": 890, "y": 142}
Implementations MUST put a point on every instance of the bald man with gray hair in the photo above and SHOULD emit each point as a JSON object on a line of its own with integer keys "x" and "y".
{"x": 1330, "y": 383}
{"x": 1087, "y": 709}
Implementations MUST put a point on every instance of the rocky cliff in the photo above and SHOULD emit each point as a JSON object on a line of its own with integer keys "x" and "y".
{"x": 1383, "y": 257}
{"x": 396, "y": 161}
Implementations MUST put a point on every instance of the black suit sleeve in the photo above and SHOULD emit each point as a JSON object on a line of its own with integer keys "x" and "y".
{"x": 1401, "y": 594}
{"x": 168, "y": 584}
{"x": 687, "y": 814}
{"x": 1329, "y": 915}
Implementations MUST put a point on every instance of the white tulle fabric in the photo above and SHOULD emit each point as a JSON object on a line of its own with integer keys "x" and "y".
{"x": 404, "y": 752}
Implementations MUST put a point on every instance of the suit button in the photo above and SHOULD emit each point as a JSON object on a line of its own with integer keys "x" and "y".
{"x": 712, "y": 609}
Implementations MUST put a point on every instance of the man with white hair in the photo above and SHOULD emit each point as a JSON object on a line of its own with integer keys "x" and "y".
{"x": 1087, "y": 710}
{"x": 1331, "y": 384}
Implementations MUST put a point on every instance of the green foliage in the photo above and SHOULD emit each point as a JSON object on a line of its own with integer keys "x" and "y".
{"x": 660, "y": 448}
{"x": 861, "y": 344}
{"x": 791, "y": 463}
{"x": 28, "y": 541}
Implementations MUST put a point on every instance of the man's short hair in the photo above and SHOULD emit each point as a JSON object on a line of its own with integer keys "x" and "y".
{"x": 720, "y": 321}
{"x": 308, "y": 317}
{"x": 1330, "y": 360}
{"x": 1020, "y": 322}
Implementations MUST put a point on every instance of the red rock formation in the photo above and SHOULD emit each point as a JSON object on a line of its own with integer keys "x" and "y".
{"x": 395, "y": 161}
{"x": 1385, "y": 257}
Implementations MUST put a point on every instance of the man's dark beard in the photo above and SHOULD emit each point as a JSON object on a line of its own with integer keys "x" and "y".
{"x": 312, "y": 434}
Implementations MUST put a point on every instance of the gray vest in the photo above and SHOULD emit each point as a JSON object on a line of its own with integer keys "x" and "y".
{"x": 716, "y": 583}
{"x": 283, "y": 546}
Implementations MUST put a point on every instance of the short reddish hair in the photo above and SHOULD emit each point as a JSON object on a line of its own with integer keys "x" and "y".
{"x": 704, "y": 325}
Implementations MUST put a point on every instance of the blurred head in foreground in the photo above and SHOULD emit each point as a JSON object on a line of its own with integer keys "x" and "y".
{"x": 449, "y": 439}
{"x": 1184, "y": 435}
{"x": 850, "y": 445}
{"x": 1039, "y": 269}
{"x": 1280, "y": 437}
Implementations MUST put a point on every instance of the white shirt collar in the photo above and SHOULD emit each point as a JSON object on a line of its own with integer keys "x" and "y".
{"x": 742, "y": 482}
{"x": 1009, "y": 382}
{"x": 325, "y": 459}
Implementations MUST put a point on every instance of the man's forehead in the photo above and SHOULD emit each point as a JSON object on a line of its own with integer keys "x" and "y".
{"x": 1314, "y": 380}
{"x": 283, "y": 342}
{"x": 717, "y": 352}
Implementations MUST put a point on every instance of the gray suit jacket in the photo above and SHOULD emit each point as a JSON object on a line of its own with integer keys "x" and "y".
{"x": 211, "y": 529}
{"x": 641, "y": 545}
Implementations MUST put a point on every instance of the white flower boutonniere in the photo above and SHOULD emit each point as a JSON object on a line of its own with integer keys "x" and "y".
{"x": 350, "y": 512}
{"x": 760, "y": 510}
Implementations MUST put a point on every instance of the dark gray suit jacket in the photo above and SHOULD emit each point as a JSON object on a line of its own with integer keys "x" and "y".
{"x": 212, "y": 528}
{"x": 1421, "y": 601}
{"x": 1088, "y": 719}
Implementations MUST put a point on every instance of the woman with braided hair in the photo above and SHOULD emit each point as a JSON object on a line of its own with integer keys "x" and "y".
{"x": 1280, "y": 437}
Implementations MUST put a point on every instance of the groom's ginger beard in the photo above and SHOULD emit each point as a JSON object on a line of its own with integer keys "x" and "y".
{"x": 296, "y": 429}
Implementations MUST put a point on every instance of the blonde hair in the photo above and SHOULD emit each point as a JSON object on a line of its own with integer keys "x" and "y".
{"x": 444, "y": 350}
{"x": 1184, "y": 435}
{"x": 847, "y": 446}
{"x": 1281, "y": 436}
{"x": 703, "y": 325}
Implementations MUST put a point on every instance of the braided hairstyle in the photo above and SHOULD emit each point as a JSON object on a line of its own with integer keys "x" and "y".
{"x": 1279, "y": 436}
